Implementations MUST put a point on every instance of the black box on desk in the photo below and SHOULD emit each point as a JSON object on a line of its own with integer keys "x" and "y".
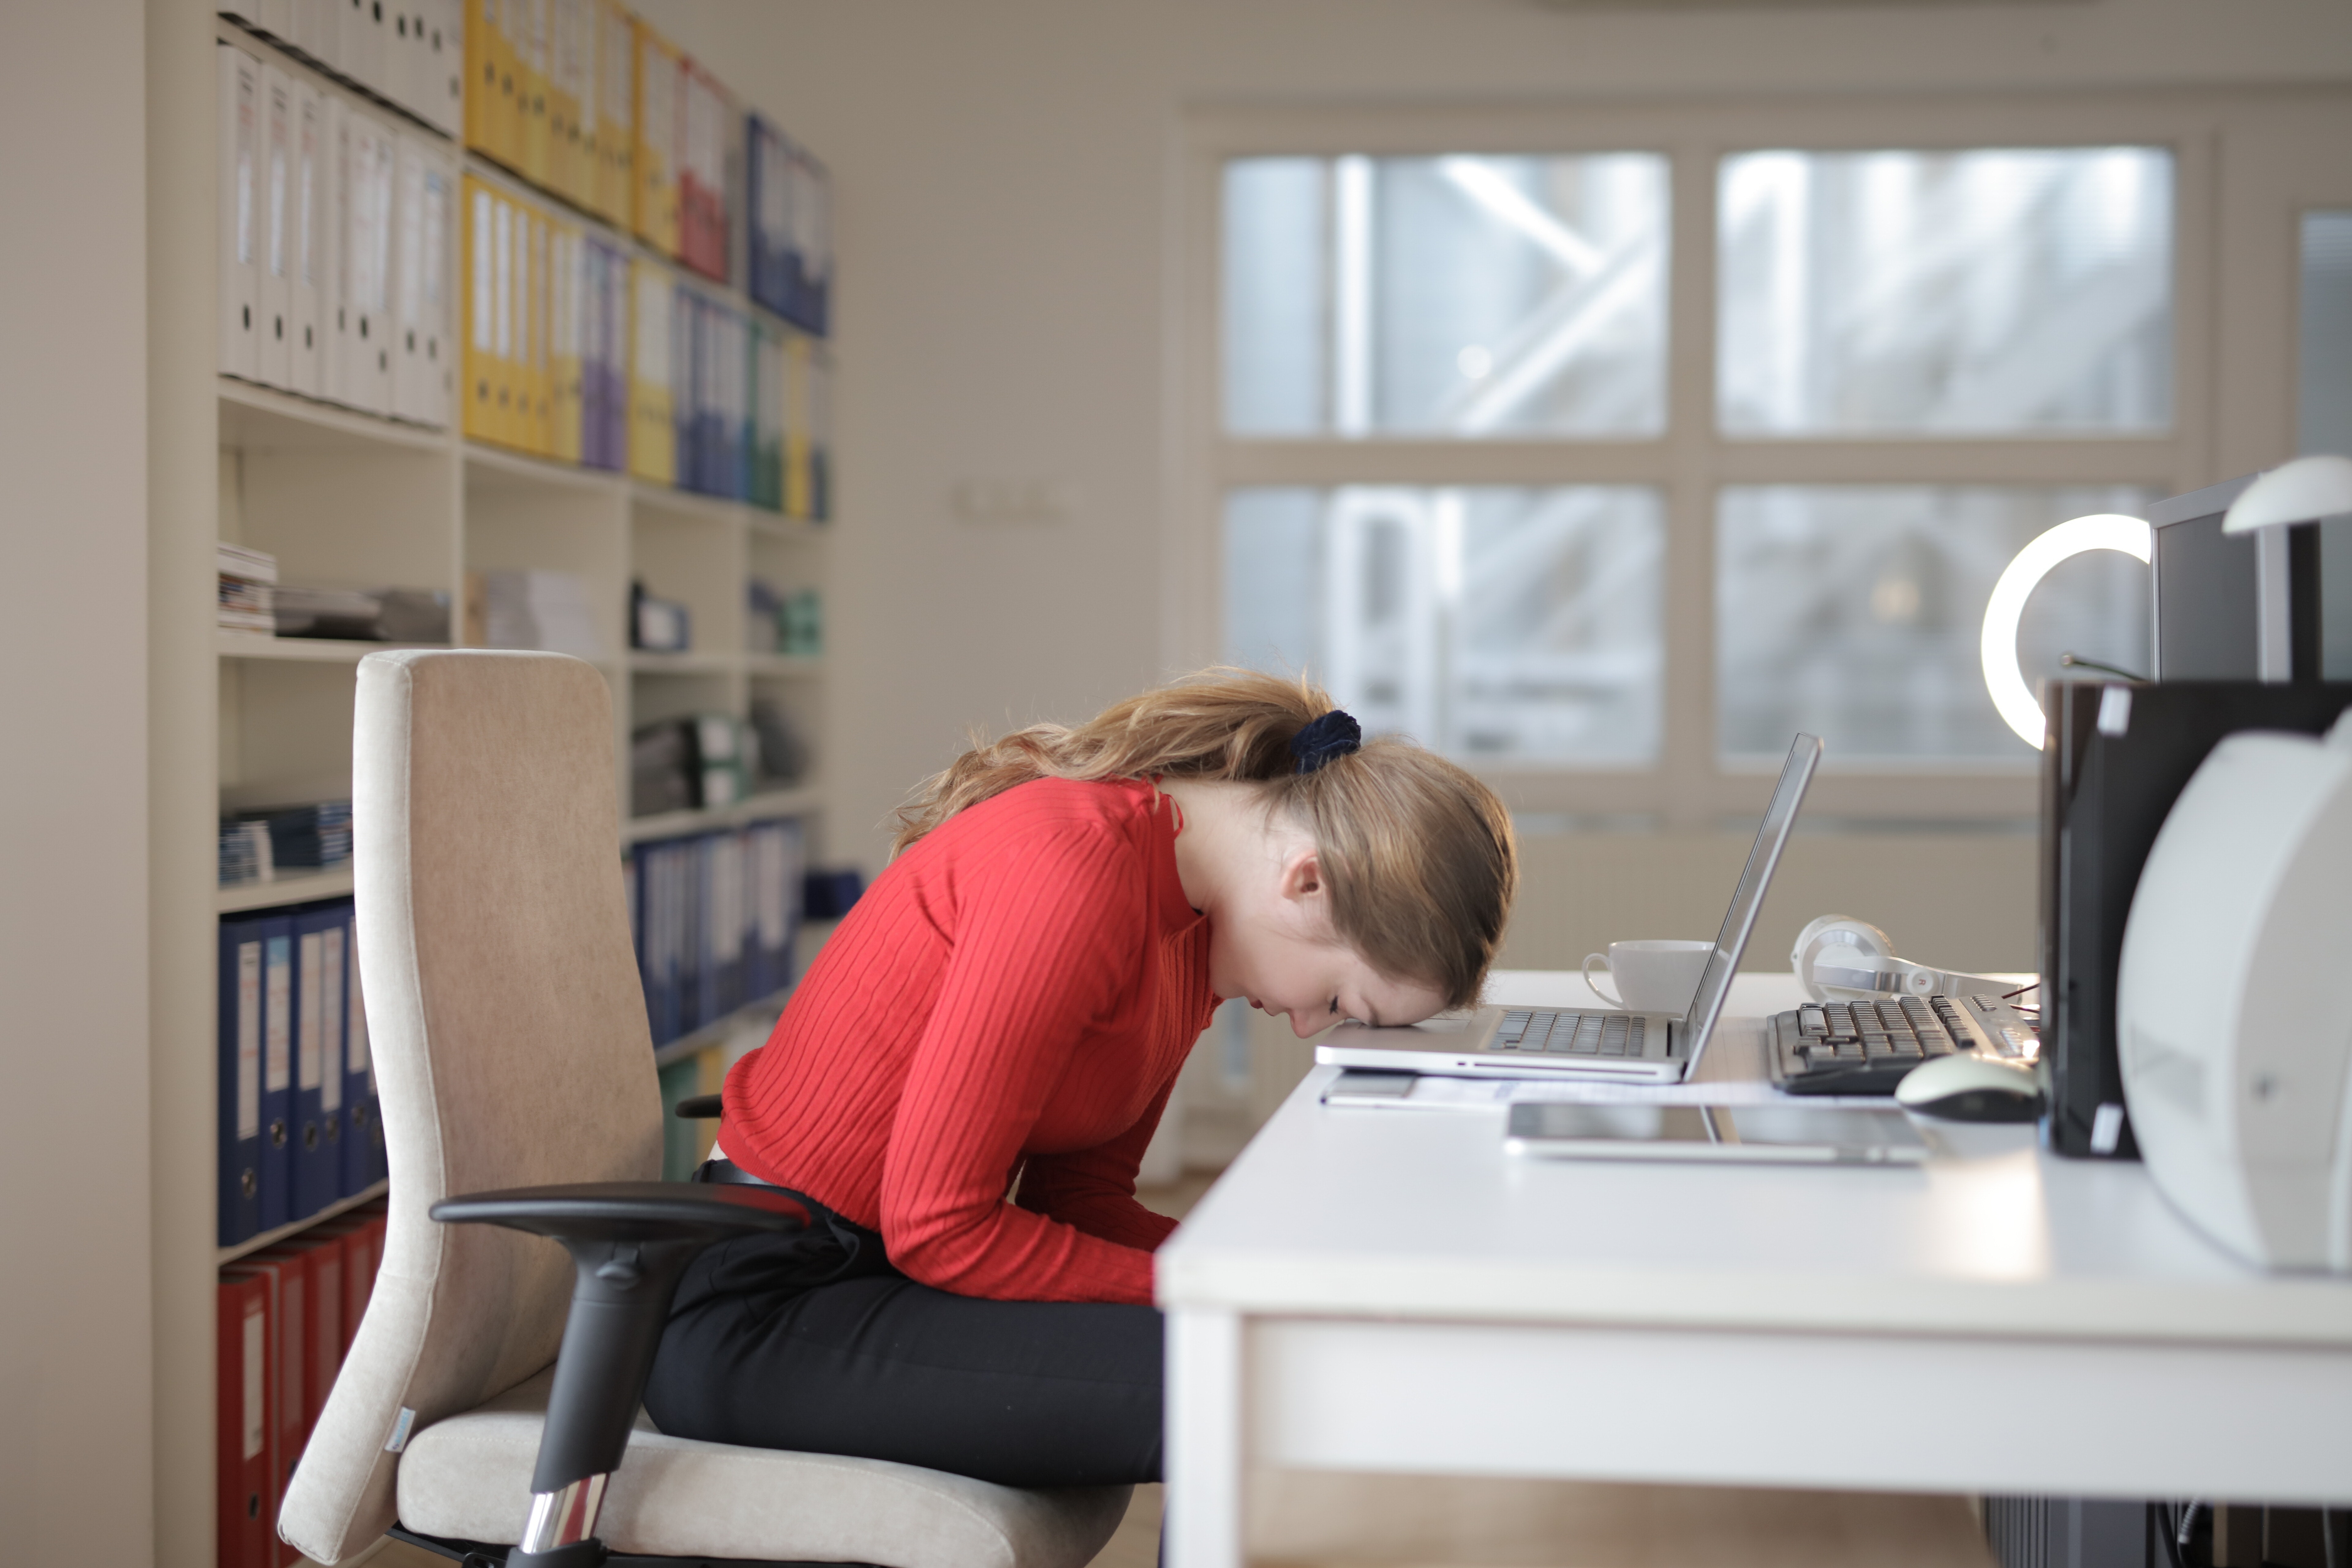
{"x": 2116, "y": 755}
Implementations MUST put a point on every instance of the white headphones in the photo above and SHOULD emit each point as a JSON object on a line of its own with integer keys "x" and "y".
{"x": 1839, "y": 959}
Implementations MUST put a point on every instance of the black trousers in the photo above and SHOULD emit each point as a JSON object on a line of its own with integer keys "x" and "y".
{"x": 816, "y": 1342}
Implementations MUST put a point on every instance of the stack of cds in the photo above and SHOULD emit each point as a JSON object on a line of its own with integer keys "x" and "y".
{"x": 245, "y": 852}
{"x": 306, "y": 838}
{"x": 247, "y": 591}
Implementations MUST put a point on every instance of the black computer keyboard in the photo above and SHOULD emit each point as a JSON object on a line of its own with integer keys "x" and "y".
{"x": 1866, "y": 1048}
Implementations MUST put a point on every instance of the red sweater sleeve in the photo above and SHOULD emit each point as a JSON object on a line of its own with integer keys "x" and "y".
{"x": 1046, "y": 938}
{"x": 1094, "y": 1189}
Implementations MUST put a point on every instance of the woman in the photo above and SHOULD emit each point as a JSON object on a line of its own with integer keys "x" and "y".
{"x": 963, "y": 1085}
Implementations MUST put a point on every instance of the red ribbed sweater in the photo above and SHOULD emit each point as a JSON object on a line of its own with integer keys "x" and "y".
{"x": 1013, "y": 996}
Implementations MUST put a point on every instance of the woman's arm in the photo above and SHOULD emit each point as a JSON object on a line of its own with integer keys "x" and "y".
{"x": 1094, "y": 1189}
{"x": 1047, "y": 935}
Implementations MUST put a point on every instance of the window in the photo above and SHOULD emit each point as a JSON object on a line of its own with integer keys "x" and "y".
{"x": 1494, "y": 623}
{"x": 1603, "y": 451}
{"x": 1458, "y": 297}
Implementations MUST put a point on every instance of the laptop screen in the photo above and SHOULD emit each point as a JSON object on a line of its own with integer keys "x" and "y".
{"x": 1715, "y": 982}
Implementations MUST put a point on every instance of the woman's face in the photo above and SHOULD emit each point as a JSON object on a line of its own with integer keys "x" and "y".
{"x": 1275, "y": 946}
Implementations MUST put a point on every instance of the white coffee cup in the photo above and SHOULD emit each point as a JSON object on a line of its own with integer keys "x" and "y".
{"x": 1652, "y": 976}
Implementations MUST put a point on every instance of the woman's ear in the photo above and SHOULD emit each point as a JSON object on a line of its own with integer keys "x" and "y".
{"x": 1302, "y": 874}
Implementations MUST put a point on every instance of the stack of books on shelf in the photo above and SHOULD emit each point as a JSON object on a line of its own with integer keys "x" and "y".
{"x": 776, "y": 622}
{"x": 333, "y": 255}
{"x": 247, "y": 579}
{"x": 256, "y": 846}
{"x": 297, "y": 1119}
{"x": 533, "y": 608}
{"x": 696, "y": 763}
{"x": 287, "y": 1317}
{"x": 713, "y": 916}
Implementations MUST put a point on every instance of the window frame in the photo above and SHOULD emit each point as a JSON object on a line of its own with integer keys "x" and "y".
{"x": 2260, "y": 141}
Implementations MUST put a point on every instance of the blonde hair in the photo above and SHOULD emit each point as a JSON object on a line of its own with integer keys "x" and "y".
{"x": 1418, "y": 855}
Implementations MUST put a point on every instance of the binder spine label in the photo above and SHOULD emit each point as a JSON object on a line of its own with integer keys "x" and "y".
{"x": 248, "y": 1040}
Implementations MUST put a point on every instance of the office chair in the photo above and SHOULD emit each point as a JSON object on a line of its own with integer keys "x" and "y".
{"x": 520, "y": 1102}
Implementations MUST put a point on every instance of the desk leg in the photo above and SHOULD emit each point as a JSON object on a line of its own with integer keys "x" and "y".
{"x": 1205, "y": 1398}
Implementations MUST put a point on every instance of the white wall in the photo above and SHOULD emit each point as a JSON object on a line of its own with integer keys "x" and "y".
{"x": 74, "y": 1318}
{"x": 1005, "y": 240}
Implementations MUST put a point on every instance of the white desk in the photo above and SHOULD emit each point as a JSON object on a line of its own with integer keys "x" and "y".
{"x": 1387, "y": 1290}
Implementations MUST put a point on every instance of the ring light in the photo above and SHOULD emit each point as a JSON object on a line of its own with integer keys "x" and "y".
{"x": 2003, "y": 678}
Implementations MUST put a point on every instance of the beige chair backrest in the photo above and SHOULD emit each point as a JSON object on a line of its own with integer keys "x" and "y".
{"x": 508, "y": 1035}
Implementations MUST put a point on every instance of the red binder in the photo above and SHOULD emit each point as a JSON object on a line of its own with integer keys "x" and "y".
{"x": 246, "y": 1514}
{"x": 291, "y": 1357}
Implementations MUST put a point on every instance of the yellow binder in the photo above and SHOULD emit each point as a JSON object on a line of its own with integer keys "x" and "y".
{"x": 481, "y": 81}
{"x": 539, "y": 368}
{"x": 617, "y": 53}
{"x": 568, "y": 37}
{"x": 653, "y": 442}
{"x": 655, "y": 110}
{"x": 480, "y": 360}
{"x": 531, "y": 29}
{"x": 565, "y": 270}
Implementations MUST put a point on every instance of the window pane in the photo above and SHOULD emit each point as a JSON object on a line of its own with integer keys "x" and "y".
{"x": 1975, "y": 293}
{"x": 1855, "y": 611}
{"x": 1445, "y": 297}
{"x": 1493, "y": 624}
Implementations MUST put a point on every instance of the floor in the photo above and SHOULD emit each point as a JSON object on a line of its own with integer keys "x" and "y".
{"x": 1308, "y": 1519}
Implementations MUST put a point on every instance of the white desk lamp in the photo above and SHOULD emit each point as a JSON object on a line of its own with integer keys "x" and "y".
{"x": 1998, "y": 648}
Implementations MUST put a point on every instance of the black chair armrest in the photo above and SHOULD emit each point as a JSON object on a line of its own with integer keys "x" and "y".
{"x": 699, "y": 1107}
{"x": 630, "y": 1243}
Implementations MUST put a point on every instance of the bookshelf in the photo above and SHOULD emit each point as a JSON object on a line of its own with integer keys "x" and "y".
{"x": 345, "y": 499}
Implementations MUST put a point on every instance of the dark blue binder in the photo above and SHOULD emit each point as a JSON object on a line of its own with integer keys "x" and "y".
{"x": 276, "y": 934}
{"x": 334, "y": 923}
{"x": 362, "y": 1140}
{"x": 767, "y": 186}
{"x": 318, "y": 1169}
{"x": 240, "y": 1081}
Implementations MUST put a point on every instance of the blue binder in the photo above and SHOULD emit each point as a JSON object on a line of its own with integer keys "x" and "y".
{"x": 276, "y": 934}
{"x": 333, "y": 923}
{"x": 318, "y": 1172}
{"x": 240, "y": 1081}
{"x": 362, "y": 1138}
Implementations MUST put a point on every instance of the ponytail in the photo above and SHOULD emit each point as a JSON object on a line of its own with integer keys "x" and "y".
{"x": 1418, "y": 855}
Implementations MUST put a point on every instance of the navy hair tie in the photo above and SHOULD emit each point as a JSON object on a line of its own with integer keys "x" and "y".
{"x": 1335, "y": 734}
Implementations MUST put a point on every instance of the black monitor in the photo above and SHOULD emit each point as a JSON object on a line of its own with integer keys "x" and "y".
{"x": 2246, "y": 607}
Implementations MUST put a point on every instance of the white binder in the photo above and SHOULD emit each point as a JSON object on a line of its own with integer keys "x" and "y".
{"x": 358, "y": 39}
{"x": 335, "y": 326}
{"x": 364, "y": 312}
{"x": 445, "y": 86}
{"x": 310, "y": 182}
{"x": 239, "y": 224}
{"x": 421, "y": 335}
{"x": 408, "y": 59}
{"x": 279, "y": 121}
{"x": 315, "y": 26}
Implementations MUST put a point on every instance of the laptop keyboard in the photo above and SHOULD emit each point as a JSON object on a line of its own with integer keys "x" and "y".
{"x": 1564, "y": 1033}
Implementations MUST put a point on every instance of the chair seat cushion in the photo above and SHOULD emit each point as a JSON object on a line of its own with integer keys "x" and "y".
{"x": 470, "y": 1476}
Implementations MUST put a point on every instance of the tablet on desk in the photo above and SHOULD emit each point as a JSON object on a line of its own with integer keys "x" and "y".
{"x": 1751, "y": 1134}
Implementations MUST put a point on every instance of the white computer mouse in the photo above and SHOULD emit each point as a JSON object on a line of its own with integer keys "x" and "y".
{"x": 1966, "y": 1086}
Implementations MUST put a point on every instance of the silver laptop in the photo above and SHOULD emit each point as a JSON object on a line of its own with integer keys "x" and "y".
{"x": 1577, "y": 1041}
